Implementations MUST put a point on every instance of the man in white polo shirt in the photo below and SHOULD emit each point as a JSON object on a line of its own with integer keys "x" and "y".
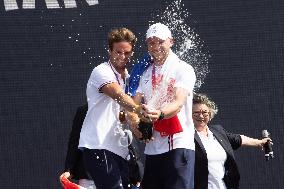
{"x": 167, "y": 89}
{"x": 104, "y": 153}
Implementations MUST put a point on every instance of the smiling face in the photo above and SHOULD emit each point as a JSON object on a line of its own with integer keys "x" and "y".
{"x": 120, "y": 55}
{"x": 121, "y": 42}
{"x": 158, "y": 48}
{"x": 201, "y": 116}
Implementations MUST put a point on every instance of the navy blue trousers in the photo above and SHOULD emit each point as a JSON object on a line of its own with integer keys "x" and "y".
{"x": 170, "y": 170}
{"x": 108, "y": 170}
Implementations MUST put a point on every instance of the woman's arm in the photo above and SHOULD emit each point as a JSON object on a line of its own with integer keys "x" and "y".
{"x": 247, "y": 141}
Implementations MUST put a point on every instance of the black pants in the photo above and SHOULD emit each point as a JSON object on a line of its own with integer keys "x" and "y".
{"x": 170, "y": 170}
{"x": 108, "y": 170}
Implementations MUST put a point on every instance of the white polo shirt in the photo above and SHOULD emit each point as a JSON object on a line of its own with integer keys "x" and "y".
{"x": 179, "y": 74}
{"x": 99, "y": 127}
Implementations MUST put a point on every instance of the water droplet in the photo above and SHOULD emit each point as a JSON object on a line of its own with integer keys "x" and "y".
{"x": 188, "y": 45}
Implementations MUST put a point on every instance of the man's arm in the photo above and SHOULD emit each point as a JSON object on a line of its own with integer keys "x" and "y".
{"x": 133, "y": 119}
{"x": 171, "y": 109}
{"x": 115, "y": 91}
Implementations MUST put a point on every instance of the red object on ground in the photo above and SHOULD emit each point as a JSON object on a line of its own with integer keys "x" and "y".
{"x": 69, "y": 185}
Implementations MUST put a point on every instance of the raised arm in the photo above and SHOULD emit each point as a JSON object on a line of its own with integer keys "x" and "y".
{"x": 247, "y": 141}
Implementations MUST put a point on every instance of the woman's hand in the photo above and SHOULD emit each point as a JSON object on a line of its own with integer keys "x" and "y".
{"x": 66, "y": 174}
{"x": 264, "y": 141}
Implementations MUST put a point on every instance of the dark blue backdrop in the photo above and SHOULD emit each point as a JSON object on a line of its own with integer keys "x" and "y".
{"x": 44, "y": 70}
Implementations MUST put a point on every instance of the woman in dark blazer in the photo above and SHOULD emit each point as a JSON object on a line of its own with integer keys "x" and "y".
{"x": 215, "y": 165}
{"x": 74, "y": 167}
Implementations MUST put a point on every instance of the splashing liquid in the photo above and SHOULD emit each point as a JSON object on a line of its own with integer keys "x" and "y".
{"x": 188, "y": 45}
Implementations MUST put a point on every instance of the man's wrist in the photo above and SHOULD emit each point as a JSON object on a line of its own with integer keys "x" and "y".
{"x": 137, "y": 109}
{"x": 162, "y": 115}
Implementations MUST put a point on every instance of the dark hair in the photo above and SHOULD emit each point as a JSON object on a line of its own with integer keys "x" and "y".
{"x": 120, "y": 35}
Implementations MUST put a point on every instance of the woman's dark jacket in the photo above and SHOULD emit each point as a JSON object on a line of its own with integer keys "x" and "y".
{"x": 74, "y": 160}
{"x": 229, "y": 142}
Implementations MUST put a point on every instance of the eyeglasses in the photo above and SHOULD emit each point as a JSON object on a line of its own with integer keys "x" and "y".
{"x": 204, "y": 113}
{"x": 127, "y": 54}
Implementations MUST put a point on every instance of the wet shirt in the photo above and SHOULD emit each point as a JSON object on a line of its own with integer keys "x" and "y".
{"x": 99, "y": 130}
{"x": 172, "y": 74}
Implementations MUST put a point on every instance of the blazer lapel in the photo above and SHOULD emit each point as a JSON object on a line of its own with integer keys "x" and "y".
{"x": 198, "y": 140}
{"x": 221, "y": 140}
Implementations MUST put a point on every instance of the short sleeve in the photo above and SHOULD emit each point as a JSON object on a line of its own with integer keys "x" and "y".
{"x": 185, "y": 77}
{"x": 234, "y": 139}
{"x": 101, "y": 76}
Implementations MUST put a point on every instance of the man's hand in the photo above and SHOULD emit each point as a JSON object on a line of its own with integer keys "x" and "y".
{"x": 136, "y": 132}
{"x": 150, "y": 113}
{"x": 133, "y": 120}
